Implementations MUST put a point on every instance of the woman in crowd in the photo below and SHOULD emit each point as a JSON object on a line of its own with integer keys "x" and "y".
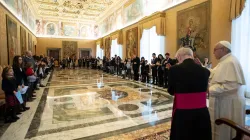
{"x": 19, "y": 70}
{"x": 20, "y": 78}
{"x": 118, "y": 64}
{"x": 9, "y": 86}
{"x": 142, "y": 68}
{"x": 160, "y": 69}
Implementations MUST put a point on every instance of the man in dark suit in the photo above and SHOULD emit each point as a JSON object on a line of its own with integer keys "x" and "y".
{"x": 188, "y": 82}
{"x": 167, "y": 64}
{"x": 80, "y": 62}
{"x": 68, "y": 61}
{"x": 154, "y": 69}
{"x": 87, "y": 62}
{"x": 136, "y": 66}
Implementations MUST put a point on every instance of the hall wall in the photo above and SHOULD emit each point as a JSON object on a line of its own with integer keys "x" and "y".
{"x": 44, "y": 43}
{"x": 3, "y": 35}
{"x": 220, "y": 25}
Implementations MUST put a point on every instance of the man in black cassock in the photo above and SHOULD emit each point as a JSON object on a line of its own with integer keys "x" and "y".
{"x": 188, "y": 83}
{"x": 136, "y": 66}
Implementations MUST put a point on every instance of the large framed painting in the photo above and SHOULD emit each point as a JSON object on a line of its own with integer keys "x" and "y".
{"x": 11, "y": 39}
{"x": 193, "y": 29}
{"x": 30, "y": 42}
{"x": 132, "y": 42}
{"x": 23, "y": 40}
{"x": 69, "y": 48}
{"x": 108, "y": 47}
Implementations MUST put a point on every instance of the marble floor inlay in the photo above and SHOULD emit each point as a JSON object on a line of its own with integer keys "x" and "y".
{"x": 90, "y": 105}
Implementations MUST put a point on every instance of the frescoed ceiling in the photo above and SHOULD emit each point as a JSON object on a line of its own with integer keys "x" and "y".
{"x": 89, "y": 19}
{"x": 72, "y": 10}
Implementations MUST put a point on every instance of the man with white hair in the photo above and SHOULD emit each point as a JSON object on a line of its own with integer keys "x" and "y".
{"x": 226, "y": 92}
{"x": 188, "y": 82}
{"x": 28, "y": 58}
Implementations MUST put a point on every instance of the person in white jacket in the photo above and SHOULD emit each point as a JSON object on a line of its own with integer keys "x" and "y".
{"x": 226, "y": 92}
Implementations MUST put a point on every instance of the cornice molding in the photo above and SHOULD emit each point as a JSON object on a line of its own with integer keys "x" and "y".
{"x": 152, "y": 17}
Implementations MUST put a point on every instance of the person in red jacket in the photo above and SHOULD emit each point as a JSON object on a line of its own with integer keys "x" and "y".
{"x": 31, "y": 76}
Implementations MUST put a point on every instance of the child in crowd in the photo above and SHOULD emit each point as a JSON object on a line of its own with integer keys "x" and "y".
{"x": 31, "y": 76}
{"x": 128, "y": 68}
{"x": 10, "y": 88}
{"x": 33, "y": 81}
{"x": 145, "y": 72}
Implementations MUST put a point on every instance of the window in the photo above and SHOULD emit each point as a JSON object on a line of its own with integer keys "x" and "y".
{"x": 116, "y": 49}
{"x": 99, "y": 51}
{"x": 151, "y": 43}
{"x": 241, "y": 42}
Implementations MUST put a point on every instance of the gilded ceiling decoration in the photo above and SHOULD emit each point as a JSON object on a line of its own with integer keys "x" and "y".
{"x": 81, "y": 10}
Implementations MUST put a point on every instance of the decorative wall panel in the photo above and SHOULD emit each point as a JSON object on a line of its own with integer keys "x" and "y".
{"x": 69, "y": 48}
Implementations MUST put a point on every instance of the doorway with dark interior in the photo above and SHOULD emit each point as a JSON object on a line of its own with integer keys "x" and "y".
{"x": 84, "y": 53}
{"x": 55, "y": 53}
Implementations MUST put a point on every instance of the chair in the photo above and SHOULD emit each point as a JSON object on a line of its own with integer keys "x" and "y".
{"x": 240, "y": 130}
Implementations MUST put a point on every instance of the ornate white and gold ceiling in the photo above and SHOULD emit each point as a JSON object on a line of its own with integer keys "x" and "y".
{"x": 87, "y": 11}
{"x": 89, "y": 19}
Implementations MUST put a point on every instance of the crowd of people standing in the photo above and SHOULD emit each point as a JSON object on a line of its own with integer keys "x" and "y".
{"x": 154, "y": 71}
{"x": 82, "y": 62}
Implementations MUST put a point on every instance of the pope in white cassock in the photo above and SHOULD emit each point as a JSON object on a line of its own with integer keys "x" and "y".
{"x": 226, "y": 92}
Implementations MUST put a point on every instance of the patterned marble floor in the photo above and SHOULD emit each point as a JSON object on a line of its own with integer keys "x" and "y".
{"x": 90, "y": 105}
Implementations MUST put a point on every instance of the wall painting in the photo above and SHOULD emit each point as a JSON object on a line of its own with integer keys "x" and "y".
{"x": 132, "y": 42}
{"x": 23, "y": 40}
{"x": 69, "y": 48}
{"x": 11, "y": 39}
{"x": 193, "y": 29}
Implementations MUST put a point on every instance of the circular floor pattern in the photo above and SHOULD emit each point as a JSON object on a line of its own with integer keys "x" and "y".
{"x": 145, "y": 90}
{"x": 128, "y": 107}
{"x": 107, "y": 94}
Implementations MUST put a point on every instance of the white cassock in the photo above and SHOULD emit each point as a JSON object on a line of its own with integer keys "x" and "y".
{"x": 226, "y": 96}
